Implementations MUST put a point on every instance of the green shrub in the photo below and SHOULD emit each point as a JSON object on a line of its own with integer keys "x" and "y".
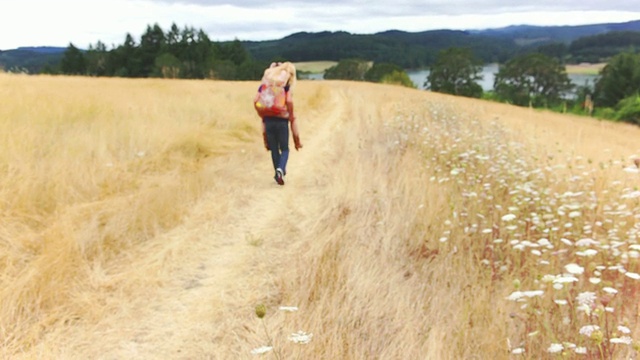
{"x": 605, "y": 113}
{"x": 398, "y": 78}
{"x": 628, "y": 109}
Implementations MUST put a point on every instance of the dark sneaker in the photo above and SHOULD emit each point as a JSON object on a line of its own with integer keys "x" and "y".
{"x": 279, "y": 178}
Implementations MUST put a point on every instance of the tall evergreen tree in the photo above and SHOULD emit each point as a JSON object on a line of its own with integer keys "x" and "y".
{"x": 73, "y": 61}
{"x": 152, "y": 44}
{"x": 97, "y": 60}
{"x": 173, "y": 41}
{"x": 234, "y": 52}
{"x": 125, "y": 59}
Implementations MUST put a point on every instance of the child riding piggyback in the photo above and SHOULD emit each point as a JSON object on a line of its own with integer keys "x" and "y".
{"x": 274, "y": 104}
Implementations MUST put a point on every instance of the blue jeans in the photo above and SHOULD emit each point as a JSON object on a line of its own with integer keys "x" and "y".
{"x": 277, "y": 130}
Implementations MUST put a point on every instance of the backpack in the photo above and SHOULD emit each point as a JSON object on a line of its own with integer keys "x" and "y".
{"x": 272, "y": 101}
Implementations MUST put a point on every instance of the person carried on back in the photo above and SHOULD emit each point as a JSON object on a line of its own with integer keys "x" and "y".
{"x": 274, "y": 104}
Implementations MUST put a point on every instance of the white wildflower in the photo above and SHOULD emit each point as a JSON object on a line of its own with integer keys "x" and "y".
{"x": 632, "y": 275}
{"x": 595, "y": 280}
{"x": 300, "y": 337}
{"x": 508, "y": 217}
{"x": 565, "y": 279}
{"x": 587, "y": 253}
{"x": 561, "y": 302}
{"x": 574, "y": 214}
{"x": 517, "y": 295}
{"x": 555, "y": 348}
{"x": 545, "y": 242}
{"x": 584, "y": 308}
{"x": 289, "y": 308}
{"x": 517, "y": 351}
{"x": 610, "y": 290}
{"x": 586, "y": 242}
{"x": 261, "y": 350}
{"x": 574, "y": 269}
{"x": 580, "y": 350}
{"x": 566, "y": 242}
{"x": 587, "y": 330}
{"x": 621, "y": 340}
{"x": 586, "y": 298}
{"x": 624, "y": 329}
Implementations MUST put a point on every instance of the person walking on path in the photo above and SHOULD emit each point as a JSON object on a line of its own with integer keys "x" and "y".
{"x": 274, "y": 104}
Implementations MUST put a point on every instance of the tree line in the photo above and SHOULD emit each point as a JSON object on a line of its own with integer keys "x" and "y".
{"x": 535, "y": 76}
{"x": 184, "y": 53}
{"x": 420, "y": 50}
{"x": 531, "y": 79}
{"x": 189, "y": 53}
{"x": 538, "y": 80}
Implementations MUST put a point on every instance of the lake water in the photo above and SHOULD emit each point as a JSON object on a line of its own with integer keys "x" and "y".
{"x": 488, "y": 75}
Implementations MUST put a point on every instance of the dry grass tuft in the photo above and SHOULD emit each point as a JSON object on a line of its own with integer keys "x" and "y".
{"x": 90, "y": 172}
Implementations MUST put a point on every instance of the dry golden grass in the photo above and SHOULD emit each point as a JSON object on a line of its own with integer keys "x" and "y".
{"x": 140, "y": 221}
{"x": 590, "y": 69}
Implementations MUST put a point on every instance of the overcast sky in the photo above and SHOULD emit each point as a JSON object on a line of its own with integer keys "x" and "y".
{"x": 84, "y": 22}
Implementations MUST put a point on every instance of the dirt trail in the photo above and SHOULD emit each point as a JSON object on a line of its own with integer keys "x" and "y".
{"x": 214, "y": 268}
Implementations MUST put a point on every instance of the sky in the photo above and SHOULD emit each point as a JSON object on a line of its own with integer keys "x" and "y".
{"x": 85, "y": 22}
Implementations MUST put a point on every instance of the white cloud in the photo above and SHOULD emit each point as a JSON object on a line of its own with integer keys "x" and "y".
{"x": 57, "y": 23}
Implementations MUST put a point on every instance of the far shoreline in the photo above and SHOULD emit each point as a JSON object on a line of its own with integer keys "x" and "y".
{"x": 585, "y": 68}
{"x": 318, "y": 67}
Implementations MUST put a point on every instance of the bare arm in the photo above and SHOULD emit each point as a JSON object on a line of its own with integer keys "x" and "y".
{"x": 264, "y": 135}
{"x": 289, "y": 103}
{"x": 292, "y": 121}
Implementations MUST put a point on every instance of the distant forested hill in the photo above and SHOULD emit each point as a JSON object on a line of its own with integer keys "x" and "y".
{"x": 418, "y": 49}
{"x": 30, "y": 59}
{"x": 525, "y": 34}
{"x": 585, "y": 43}
{"x": 408, "y": 50}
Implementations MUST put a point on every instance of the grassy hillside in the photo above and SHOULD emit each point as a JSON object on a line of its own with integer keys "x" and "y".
{"x": 141, "y": 220}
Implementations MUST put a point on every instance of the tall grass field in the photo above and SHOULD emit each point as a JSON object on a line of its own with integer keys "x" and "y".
{"x": 140, "y": 219}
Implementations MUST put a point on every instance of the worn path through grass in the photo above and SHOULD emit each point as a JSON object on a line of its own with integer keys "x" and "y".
{"x": 212, "y": 269}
